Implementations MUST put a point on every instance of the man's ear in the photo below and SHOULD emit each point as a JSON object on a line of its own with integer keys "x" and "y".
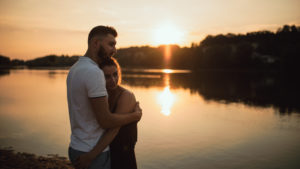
{"x": 95, "y": 42}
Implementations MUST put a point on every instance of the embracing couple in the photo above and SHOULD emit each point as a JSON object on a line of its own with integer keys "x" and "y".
{"x": 103, "y": 115}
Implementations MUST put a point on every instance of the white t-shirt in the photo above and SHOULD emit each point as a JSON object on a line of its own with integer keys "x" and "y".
{"x": 85, "y": 80}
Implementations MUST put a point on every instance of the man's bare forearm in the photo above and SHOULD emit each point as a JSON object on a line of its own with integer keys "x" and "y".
{"x": 85, "y": 160}
{"x": 104, "y": 141}
{"x": 117, "y": 120}
{"x": 108, "y": 120}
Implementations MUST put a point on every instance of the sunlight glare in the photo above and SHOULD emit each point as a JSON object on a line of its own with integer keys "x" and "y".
{"x": 167, "y": 70}
{"x": 168, "y": 34}
{"x": 166, "y": 100}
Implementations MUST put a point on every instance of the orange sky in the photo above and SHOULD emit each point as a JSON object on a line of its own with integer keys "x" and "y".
{"x": 34, "y": 28}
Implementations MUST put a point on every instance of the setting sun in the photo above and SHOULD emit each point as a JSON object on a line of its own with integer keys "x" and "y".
{"x": 167, "y": 34}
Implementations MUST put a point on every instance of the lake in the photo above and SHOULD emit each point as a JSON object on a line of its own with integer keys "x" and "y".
{"x": 190, "y": 120}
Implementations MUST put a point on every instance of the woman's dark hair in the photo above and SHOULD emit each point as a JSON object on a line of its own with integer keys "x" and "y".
{"x": 112, "y": 62}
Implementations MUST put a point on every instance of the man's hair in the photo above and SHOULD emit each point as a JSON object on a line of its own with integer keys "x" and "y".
{"x": 112, "y": 62}
{"x": 102, "y": 31}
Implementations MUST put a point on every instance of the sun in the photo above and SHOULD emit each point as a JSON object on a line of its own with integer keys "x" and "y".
{"x": 167, "y": 33}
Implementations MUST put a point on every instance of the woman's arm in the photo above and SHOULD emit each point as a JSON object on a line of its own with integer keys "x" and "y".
{"x": 126, "y": 103}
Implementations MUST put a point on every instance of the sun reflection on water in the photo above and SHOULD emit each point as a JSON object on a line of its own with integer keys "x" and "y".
{"x": 166, "y": 100}
{"x": 167, "y": 71}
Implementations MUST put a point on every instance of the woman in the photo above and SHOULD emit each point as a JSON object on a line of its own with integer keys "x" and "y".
{"x": 120, "y": 100}
{"x": 121, "y": 140}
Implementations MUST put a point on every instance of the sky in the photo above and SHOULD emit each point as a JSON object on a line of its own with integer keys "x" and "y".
{"x": 36, "y": 28}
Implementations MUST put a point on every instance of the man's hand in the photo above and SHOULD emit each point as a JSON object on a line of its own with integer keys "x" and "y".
{"x": 83, "y": 161}
{"x": 138, "y": 111}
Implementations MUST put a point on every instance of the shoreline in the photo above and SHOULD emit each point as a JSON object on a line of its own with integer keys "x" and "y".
{"x": 10, "y": 159}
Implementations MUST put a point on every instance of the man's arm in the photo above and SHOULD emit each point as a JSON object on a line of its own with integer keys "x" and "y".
{"x": 126, "y": 103}
{"x": 84, "y": 160}
{"x": 108, "y": 120}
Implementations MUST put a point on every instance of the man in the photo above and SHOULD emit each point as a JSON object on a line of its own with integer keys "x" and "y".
{"x": 87, "y": 99}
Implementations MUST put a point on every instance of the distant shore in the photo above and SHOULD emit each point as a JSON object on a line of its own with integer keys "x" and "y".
{"x": 9, "y": 159}
{"x": 37, "y": 67}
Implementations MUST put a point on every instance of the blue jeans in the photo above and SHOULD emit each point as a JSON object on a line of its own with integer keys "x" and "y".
{"x": 102, "y": 161}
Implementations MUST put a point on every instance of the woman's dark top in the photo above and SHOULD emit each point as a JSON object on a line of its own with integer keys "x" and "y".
{"x": 122, "y": 147}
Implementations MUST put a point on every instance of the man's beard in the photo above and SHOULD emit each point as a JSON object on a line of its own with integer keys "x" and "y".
{"x": 102, "y": 54}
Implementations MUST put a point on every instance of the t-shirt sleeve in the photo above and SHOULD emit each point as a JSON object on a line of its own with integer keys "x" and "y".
{"x": 95, "y": 83}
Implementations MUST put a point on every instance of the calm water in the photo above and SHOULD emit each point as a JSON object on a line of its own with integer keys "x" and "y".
{"x": 190, "y": 120}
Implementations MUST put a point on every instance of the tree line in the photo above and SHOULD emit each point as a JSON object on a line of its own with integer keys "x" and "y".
{"x": 261, "y": 50}
{"x": 46, "y": 61}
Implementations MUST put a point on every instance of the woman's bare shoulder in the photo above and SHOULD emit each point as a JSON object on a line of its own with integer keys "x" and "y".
{"x": 127, "y": 101}
{"x": 127, "y": 94}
